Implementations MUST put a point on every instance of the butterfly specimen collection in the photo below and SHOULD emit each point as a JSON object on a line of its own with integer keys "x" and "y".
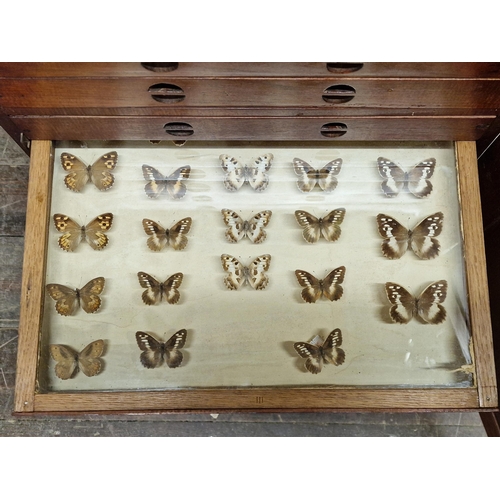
{"x": 422, "y": 240}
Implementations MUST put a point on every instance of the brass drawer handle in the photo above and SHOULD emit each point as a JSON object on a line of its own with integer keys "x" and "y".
{"x": 332, "y": 130}
{"x": 338, "y": 94}
{"x": 166, "y": 93}
{"x": 160, "y": 67}
{"x": 178, "y": 129}
{"x": 341, "y": 68}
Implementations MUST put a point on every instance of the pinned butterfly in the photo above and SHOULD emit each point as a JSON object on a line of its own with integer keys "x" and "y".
{"x": 253, "y": 228}
{"x": 156, "y": 290}
{"x": 427, "y": 306}
{"x": 99, "y": 173}
{"x": 238, "y": 274}
{"x": 69, "y": 361}
{"x": 416, "y": 180}
{"x": 92, "y": 233}
{"x": 325, "y": 178}
{"x": 154, "y": 352}
{"x": 172, "y": 184}
{"x": 319, "y": 352}
{"x": 314, "y": 227}
{"x": 68, "y": 300}
{"x": 159, "y": 237}
{"x": 328, "y": 287}
{"x": 422, "y": 239}
{"x": 237, "y": 174}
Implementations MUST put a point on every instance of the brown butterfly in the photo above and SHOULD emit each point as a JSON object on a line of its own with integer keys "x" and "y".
{"x": 237, "y": 174}
{"x": 329, "y": 287}
{"x": 416, "y": 181}
{"x": 325, "y": 178}
{"x": 253, "y": 228}
{"x": 156, "y": 291}
{"x": 159, "y": 237}
{"x": 92, "y": 233}
{"x": 318, "y": 352}
{"x": 98, "y": 173}
{"x": 239, "y": 274}
{"x": 68, "y": 300}
{"x": 421, "y": 239}
{"x": 155, "y": 352}
{"x": 427, "y": 305}
{"x": 314, "y": 228}
{"x": 172, "y": 184}
{"x": 69, "y": 361}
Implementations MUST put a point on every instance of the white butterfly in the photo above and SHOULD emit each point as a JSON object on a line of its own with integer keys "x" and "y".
{"x": 427, "y": 305}
{"x": 421, "y": 239}
{"x": 416, "y": 180}
{"x": 314, "y": 227}
{"x": 237, "y": 174}
{"x": 239, "y": 274}
{"x": 239, "y": 228}
{"x": 325, "y": 178}
{"x": 318, "y": 352}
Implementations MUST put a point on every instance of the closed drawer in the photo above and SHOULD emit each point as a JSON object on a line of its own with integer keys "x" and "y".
{"x": 278, "y": 129}
{"x": 255, "y": 69}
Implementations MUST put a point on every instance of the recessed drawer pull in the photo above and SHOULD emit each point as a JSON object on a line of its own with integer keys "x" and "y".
{"x": 166, "y": 92}
{"x": 160, "y": 67}
{"x": 343, "y": 67}
{"x": 337, "y": 94}
{"x": 333, "y": 130}
{"x": 178, "y": 129}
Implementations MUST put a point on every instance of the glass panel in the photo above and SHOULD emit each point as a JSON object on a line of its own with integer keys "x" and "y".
{"x": 248, "y": 336}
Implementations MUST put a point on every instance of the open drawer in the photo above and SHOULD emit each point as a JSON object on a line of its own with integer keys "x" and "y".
{"x": 385, "y": 307}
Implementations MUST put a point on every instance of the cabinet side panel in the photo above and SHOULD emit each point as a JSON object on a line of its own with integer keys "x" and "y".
{"x": 37, "y": 213}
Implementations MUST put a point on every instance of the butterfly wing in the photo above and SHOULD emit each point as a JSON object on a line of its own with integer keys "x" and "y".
{"x": 72, "y": 232}
{"x": 100, "y": 171}
{"x": 257, "y": 176}
{"x": 332, "y": 288}
{"x": 307, "y": 175}
{"x": 156, "y": 181}
{"x": 173, "y": 356}
{"x": 312, "y": 288}
{"x": 394, "y": 177}
{"x": 429, "y": 306}
{"x": 170, "y": 288}
{"x": 236, "y": 270}
{"x": 177, "y": 238}
{"x": 95, "y": 229}
{"x": 312, "y": 354}
{"x": 423, "y": 241}
{"x": 235, "y": 224}
{"x": 66, "y": 361}
{"x": 152, "y": 355}
{"x": 89, "y": 295}
{"x": 256, "y": 225}
{"x": 66, "y": 298}
{"x": 330, "y": 225}
{"x": 330, "y": 350}
{"x": 327, "y": 176}
{"x": 152, "y": 294}
{"x": 256, "y": 277}
{"x": 310, "y": 224}
{"x": 396, "y": 236}
{"x": 418, "y": 178}
{"x": 175, "y": 187}
{"x": 89, "y": 359}
{"x": 235, "y": 172}
{"x": 157, "y": 235}
{"x": 404, "y": 304}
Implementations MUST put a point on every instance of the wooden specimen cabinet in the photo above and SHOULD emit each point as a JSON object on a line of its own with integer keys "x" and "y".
{"x": 350, "y": 145}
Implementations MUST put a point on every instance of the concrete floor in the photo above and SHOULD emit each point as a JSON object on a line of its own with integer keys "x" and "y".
{"x": 13, "y": 190}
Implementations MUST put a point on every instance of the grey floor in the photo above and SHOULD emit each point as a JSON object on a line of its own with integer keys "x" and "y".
{"x": 13, "y": 190}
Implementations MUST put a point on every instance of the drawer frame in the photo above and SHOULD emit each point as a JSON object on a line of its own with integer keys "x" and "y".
{"x": 28, "y": 400}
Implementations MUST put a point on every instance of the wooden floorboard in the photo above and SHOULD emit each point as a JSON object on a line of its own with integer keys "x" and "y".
{"x": 13, "y": 189}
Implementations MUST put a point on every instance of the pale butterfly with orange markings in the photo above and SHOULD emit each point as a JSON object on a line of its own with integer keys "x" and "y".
{"x": 69, "y": 361}
{"x": 69, "y": 300}
{"x": 92, "y": 233}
